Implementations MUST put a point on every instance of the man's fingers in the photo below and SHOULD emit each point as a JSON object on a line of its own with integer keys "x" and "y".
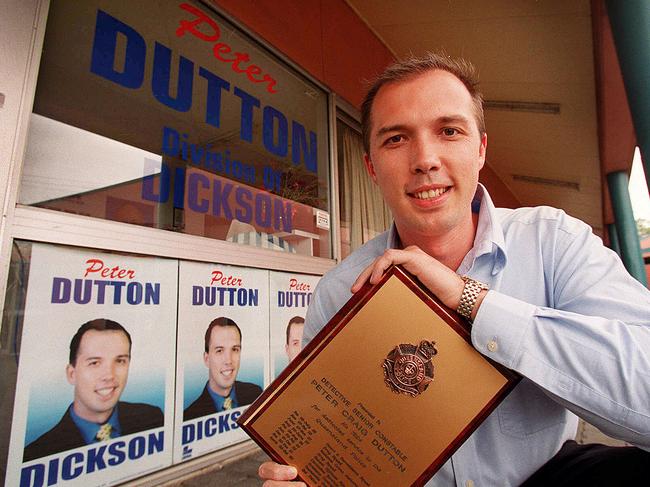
{"x": 275, "y": 471}
{"x": 276, "y": 475}
{"x": 363, "y": 277}
{"x": 375, "y": 271}
{"x": 382, "y": 263}
{"x": 283, "y": 483}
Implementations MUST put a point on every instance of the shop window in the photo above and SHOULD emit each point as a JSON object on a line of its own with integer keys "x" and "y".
{"x": 163, "y": 114}
{"x": 120, "y": 373}
{"x": 364, "y": 214}
{"x": 91, "y": 338}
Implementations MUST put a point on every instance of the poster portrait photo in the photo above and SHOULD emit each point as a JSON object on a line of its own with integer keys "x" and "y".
{"x": 223, "y": 353}
{"x": 222, "y": 391}
{"x": 98, "y": 369}
{"x": 96, "y": 373}
{"x": 290, "y": 296}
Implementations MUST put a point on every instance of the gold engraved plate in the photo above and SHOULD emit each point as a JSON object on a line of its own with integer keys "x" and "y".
{"x": 409, "y": 369}
{"x": 341, "y": 421}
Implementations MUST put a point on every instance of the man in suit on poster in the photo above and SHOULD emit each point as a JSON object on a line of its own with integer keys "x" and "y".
{"x": 295, "y": 329}
{"x": 222, "y": 356}
{"x": 98, "y": 368}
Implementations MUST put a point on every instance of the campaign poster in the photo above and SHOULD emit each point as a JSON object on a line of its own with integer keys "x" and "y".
{"x": 290, "y": 297}
{"x": 223, "y": 353}
{"x": 94, "y": 395}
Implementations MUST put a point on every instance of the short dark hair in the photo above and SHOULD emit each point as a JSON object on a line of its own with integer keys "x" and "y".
{"x": 99, "y": 324}
{"x": 221, "y": 321}
{"x": 298, "y": 320}
{"x": 414, "y": 66}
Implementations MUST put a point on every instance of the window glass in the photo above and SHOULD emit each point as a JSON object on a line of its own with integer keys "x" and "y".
{"x": 162, "y": 114}
{"x": 88, "y": 356}
{"x": 10, "y": 334}
{"x": 364, "y": 214}
{"x": 91, "y": 338}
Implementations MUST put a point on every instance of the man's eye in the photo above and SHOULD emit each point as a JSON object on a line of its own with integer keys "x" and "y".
{"x": 449, "y": 132}
{"x": 395, "y": 139}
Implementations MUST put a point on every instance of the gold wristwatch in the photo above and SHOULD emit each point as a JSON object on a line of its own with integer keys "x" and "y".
{"x": 468, "y": 298}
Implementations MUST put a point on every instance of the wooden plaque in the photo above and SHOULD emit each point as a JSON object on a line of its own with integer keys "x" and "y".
{"x": 383, "y": 395}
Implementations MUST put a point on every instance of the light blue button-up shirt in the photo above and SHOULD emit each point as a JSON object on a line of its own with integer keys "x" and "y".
{"x": 563, "y": 312}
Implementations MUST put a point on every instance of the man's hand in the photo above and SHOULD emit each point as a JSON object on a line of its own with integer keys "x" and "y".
{"x": 278, "y": 475}
{"x": 439, "y": 279}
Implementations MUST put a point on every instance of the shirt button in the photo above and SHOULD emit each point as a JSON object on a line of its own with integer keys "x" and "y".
{"x": 492, "y": 346}
{"x": 469, "y": 483}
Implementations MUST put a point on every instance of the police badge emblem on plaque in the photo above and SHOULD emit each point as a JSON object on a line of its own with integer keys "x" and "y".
{"x": 408, "y": 369}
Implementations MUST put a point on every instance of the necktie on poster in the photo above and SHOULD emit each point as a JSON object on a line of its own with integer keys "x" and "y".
{"x": 104, "y": 432}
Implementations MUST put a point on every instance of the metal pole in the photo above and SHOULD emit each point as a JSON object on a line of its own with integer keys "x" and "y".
{"x": 625, "y": 226}
{"x": 613, "y": 238}
{"x": 630, "y": 21}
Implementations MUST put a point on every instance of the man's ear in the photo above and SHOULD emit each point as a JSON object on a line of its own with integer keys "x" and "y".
{"x": 70, "y": 374}
{"x": 205, "y": 359}
{"x": 482, "y": 151}
{"x": 370, "y": 167}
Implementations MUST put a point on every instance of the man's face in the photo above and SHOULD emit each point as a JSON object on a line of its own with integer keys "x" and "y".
{"x": 295, "y": 340}
{"x": 99, "y": 374}
{"x": 222, "y": 358}
{"x": 426, "y": 153}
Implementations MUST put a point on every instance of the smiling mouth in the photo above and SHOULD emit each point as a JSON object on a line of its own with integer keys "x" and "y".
{"x": 227, "y": 372}
{"x": 106, "y": 391}
{"x": 431, "y": 193}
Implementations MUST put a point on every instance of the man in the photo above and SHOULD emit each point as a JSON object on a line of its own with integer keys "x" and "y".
{"x": 295, "y": 329}
{"x": 221, "y": 356}
{"x": 98, "y": 368}
{"x": 546, "y": 298}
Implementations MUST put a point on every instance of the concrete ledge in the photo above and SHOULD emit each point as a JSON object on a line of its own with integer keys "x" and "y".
{"x": 212, "y": 462}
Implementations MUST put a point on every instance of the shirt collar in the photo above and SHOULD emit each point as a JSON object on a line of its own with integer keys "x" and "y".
{"x": 219, "y": 400}
{"x": 89, "y": 429}
{"x": 393, "y": 241}
{"x": 489, "y": 235}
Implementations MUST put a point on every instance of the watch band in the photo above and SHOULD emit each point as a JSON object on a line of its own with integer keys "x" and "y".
{"x": 469, "y": 295}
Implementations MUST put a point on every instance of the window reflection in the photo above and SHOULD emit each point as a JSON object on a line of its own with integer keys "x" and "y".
{"x": 135, "y": 123}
